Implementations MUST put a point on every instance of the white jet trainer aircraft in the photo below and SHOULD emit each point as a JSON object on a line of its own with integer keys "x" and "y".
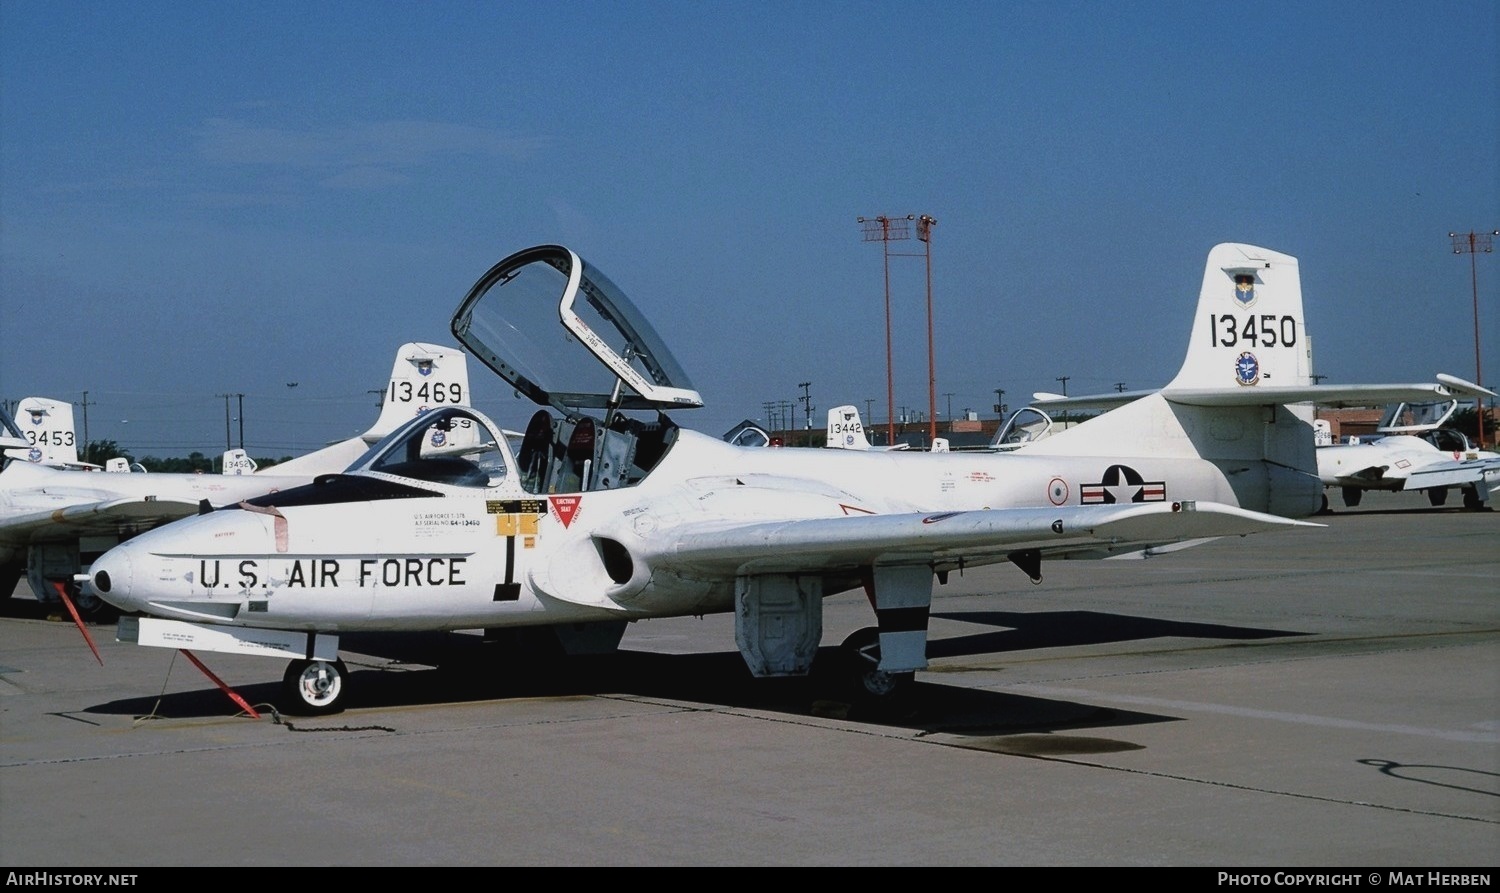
{"x": 56, "y": 518}
{"x": 610, "y": 512}
{"x": 1413, "y": 451}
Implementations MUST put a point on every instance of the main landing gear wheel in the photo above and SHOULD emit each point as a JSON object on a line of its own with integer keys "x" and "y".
{"x": 861, "y": 653}
{"x": 316, "y": 687}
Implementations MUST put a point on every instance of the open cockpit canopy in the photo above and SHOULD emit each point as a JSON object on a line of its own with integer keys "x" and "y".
{"x": 562, "y": 334}
{"x": 1410, "y": 418}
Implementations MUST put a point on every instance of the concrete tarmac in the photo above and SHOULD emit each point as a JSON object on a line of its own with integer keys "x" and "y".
{"x": 1315, "y": 698}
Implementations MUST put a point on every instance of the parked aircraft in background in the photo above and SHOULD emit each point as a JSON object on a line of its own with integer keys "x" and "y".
{"x": 46, "y": 426}
{"x": 423, "y": 377}
{"x": 847, "y": 432}
{"x": 749, "y": 434}
{"x": 609, "y": 512}
{"x": 1411, "y": 450}
{"x": 237, "y": 461}
{"x": 1027, "y": 425}
{"x": 54, "y": 521}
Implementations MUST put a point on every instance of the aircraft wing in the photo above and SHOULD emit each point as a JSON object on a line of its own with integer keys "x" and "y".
{"x": 124, "y": 515}
{"x": 955, "y": 538}
{"x": 1451, "y": 473}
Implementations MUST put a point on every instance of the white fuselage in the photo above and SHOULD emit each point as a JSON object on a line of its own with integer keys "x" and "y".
{"x": 1390, "y": 462}
{"x": 496, "y": 556}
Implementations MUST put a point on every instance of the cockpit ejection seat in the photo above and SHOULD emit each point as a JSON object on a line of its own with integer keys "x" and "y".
{"x": 535, "y": 458}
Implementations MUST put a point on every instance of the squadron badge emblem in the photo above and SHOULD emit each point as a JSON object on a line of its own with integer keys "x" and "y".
{"x": 1247, "y": 369}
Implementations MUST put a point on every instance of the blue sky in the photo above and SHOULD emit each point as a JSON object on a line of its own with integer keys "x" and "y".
{"x": 208, "y": 198}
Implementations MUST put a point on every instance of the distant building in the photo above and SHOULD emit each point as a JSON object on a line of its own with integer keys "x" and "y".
{"x": 1344, "y": 423}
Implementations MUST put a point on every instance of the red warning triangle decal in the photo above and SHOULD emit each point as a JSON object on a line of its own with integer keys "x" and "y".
{"x": 566, "y": 507}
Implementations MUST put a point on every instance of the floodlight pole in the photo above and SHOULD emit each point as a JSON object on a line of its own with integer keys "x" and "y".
{"x": 1471, "y": 243}
{"x": 885, "y": 229}
{"x": 924, "y": 232}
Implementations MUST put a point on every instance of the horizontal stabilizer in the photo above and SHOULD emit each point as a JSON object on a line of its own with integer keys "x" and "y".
{"x": 1330, "y": 395}
{"x": 1088, "y": 401}
{"x": 1333, "y": 395}
{"x": 1464, "y": 386}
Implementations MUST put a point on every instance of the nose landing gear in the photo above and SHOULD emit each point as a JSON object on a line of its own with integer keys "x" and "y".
{"x": 316, "y": 687}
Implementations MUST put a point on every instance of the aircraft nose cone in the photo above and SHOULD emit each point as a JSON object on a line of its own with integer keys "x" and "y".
{"x": 110, "y": 575}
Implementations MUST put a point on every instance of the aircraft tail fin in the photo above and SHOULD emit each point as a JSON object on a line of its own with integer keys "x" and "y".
{"x": 237, "y": 462}
{"x": 845, "y": 430}
{"x": 1248, "y": 330}
{"x": 47, "y": 426}
{"x": 423, "y": 377}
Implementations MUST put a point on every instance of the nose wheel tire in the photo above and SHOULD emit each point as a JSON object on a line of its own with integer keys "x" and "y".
{"x": 315, "y": 687}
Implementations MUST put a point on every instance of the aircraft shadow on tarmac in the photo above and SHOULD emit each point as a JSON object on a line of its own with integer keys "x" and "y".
{"x": 1057, "y": 629}
{"x": 410, "y": 669}
{"x": 1352, "y": 512}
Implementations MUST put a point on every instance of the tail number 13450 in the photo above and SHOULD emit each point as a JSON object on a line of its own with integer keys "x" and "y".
{"x": 1265, "y": 330}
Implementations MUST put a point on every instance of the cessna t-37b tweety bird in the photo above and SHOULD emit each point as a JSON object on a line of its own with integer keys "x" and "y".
{"x": 609, "y": 512}
{"x": 56, "y": 516}
{"x": 1411, "y": 450}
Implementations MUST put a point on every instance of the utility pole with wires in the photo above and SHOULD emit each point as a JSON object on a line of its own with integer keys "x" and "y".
{"x": 85, "y": 404}
{"x": 807, "y": 407}
{"x": 228, "y": 443}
